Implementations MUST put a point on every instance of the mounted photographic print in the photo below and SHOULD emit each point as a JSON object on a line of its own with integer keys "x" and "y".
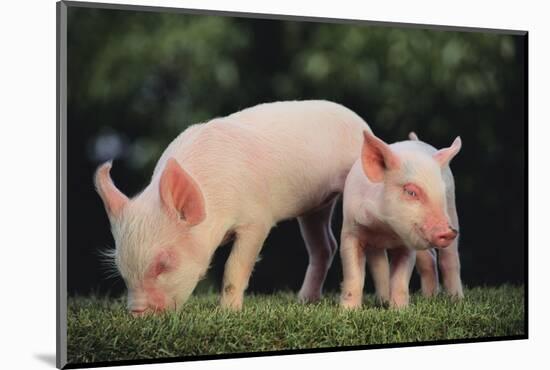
{"x": 236, "y": 184}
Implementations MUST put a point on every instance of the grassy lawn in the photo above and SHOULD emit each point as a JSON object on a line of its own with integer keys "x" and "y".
{"x": 100, "y": 329}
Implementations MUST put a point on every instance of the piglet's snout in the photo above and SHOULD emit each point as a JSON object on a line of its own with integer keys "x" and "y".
{"x": 137, "y": 312}
{"x": 442, "y": 239}
{"x": 139, "y": 305}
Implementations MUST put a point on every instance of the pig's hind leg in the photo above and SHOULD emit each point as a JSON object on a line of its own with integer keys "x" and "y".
{"x": 321, "y": 247}
{"x": 241, "y": 260}
{"x": 449, "y": 261}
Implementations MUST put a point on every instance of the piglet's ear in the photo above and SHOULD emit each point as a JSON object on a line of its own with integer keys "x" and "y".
{"x": 113, "y": 199}
{"x": 180, "y": 194}
{"x": 377, "y": 157}
{"x": 413, "y": 136}
{"x": 444, "y": 156}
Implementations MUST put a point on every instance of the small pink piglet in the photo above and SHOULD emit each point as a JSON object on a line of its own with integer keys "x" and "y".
{"x": 399, "y": 201}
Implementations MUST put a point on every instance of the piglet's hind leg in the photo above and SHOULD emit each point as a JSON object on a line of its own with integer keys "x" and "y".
{"x": 321, "y": 247}
{"x": 449, "y": 261}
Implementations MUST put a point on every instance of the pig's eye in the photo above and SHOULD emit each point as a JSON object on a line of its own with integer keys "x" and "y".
{"x": 161, "y": 265}
{"x": 411, "y": 191}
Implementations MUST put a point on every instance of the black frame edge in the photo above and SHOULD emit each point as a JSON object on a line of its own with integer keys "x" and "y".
{"x": 287, "y": 17}
{"x": 61, "y": 172}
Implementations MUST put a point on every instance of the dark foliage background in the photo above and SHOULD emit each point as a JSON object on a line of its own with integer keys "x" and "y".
{"x": 136, "y": 79}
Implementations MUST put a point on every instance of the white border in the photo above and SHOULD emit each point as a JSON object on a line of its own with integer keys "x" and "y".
{"x": 28, "y": 181}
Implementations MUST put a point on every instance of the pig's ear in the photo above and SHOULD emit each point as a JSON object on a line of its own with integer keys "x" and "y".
{"x": 444, "y": 156}
{"x": 377, "y": 157}
{"x": 413, "y": 136}
{"x": 180, "y": 194}
{"x": 113, "y": 199}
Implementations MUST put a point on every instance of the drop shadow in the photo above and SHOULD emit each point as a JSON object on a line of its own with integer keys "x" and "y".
{"x": 47, "y": 358}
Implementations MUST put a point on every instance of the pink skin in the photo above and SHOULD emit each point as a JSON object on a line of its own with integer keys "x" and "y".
{"x": 398, "y": 201}
{"x": 164, "y": 261}
{"x": 233, "y": 177}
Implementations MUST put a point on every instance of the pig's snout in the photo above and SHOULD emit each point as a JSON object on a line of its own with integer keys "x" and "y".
{"x": 141, "y": 303}
{"x": 137, "y": 312}
{"x": 442, "y": 239}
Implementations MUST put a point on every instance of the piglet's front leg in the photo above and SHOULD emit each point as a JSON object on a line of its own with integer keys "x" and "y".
{"x": 426, "y": 265}
{"x": 353, "y": 264}
{"x": 240, "y": 263}
{"x": 449, "y": 263}
{"x": 402, "y": 264}
{"x": 377, "y": 259}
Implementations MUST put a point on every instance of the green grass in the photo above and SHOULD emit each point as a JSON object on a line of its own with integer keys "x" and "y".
{"x": 100, "y": 329}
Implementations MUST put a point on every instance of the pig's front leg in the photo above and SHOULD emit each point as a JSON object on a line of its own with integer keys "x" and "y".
{"x": 426, "y": 265}
{"x": 377, "y": 259}
{"x": 402, "y": 265}
{"x": 240, "y": 263}
{"x": 353, "y": 265}
{"x": 449, "y": 263}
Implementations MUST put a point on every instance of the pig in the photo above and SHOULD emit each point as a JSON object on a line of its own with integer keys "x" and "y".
{"x": 232, "y": 178}
{"x": 399, "y": 201}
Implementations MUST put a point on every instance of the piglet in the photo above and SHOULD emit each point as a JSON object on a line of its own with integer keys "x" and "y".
{"x": 232, "y": 178}
{"x": 399, "y": 201}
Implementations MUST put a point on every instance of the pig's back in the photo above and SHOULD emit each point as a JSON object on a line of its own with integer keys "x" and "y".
{"x": 284, "y": 158}
{"x": 308, "y": 149}
{"x": 293, "y": 116}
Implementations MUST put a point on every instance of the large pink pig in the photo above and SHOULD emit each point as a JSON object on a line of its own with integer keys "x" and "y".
{"x": 399, "y": 200}
{"x": 233, "y": 177}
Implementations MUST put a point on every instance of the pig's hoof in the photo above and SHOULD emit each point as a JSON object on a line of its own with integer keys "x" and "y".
{"x": 457, "y": 296}
{"x": 309, "y": 297}
{"x": 399, "y": 304}
{"x": 429, "y": 292}
{"x": 350, "y": 301}
{"x": 382, "y": 303}
{"x": 347, "y": 305}
{"x": 232, "y": 306}
{"x": 230, "y": 302}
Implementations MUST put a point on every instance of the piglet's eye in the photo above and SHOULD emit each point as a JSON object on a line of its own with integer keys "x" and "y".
{"x": 161, "y": 264}
{"x": 411, "y": 191}
{"x": 160, "y": 268}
